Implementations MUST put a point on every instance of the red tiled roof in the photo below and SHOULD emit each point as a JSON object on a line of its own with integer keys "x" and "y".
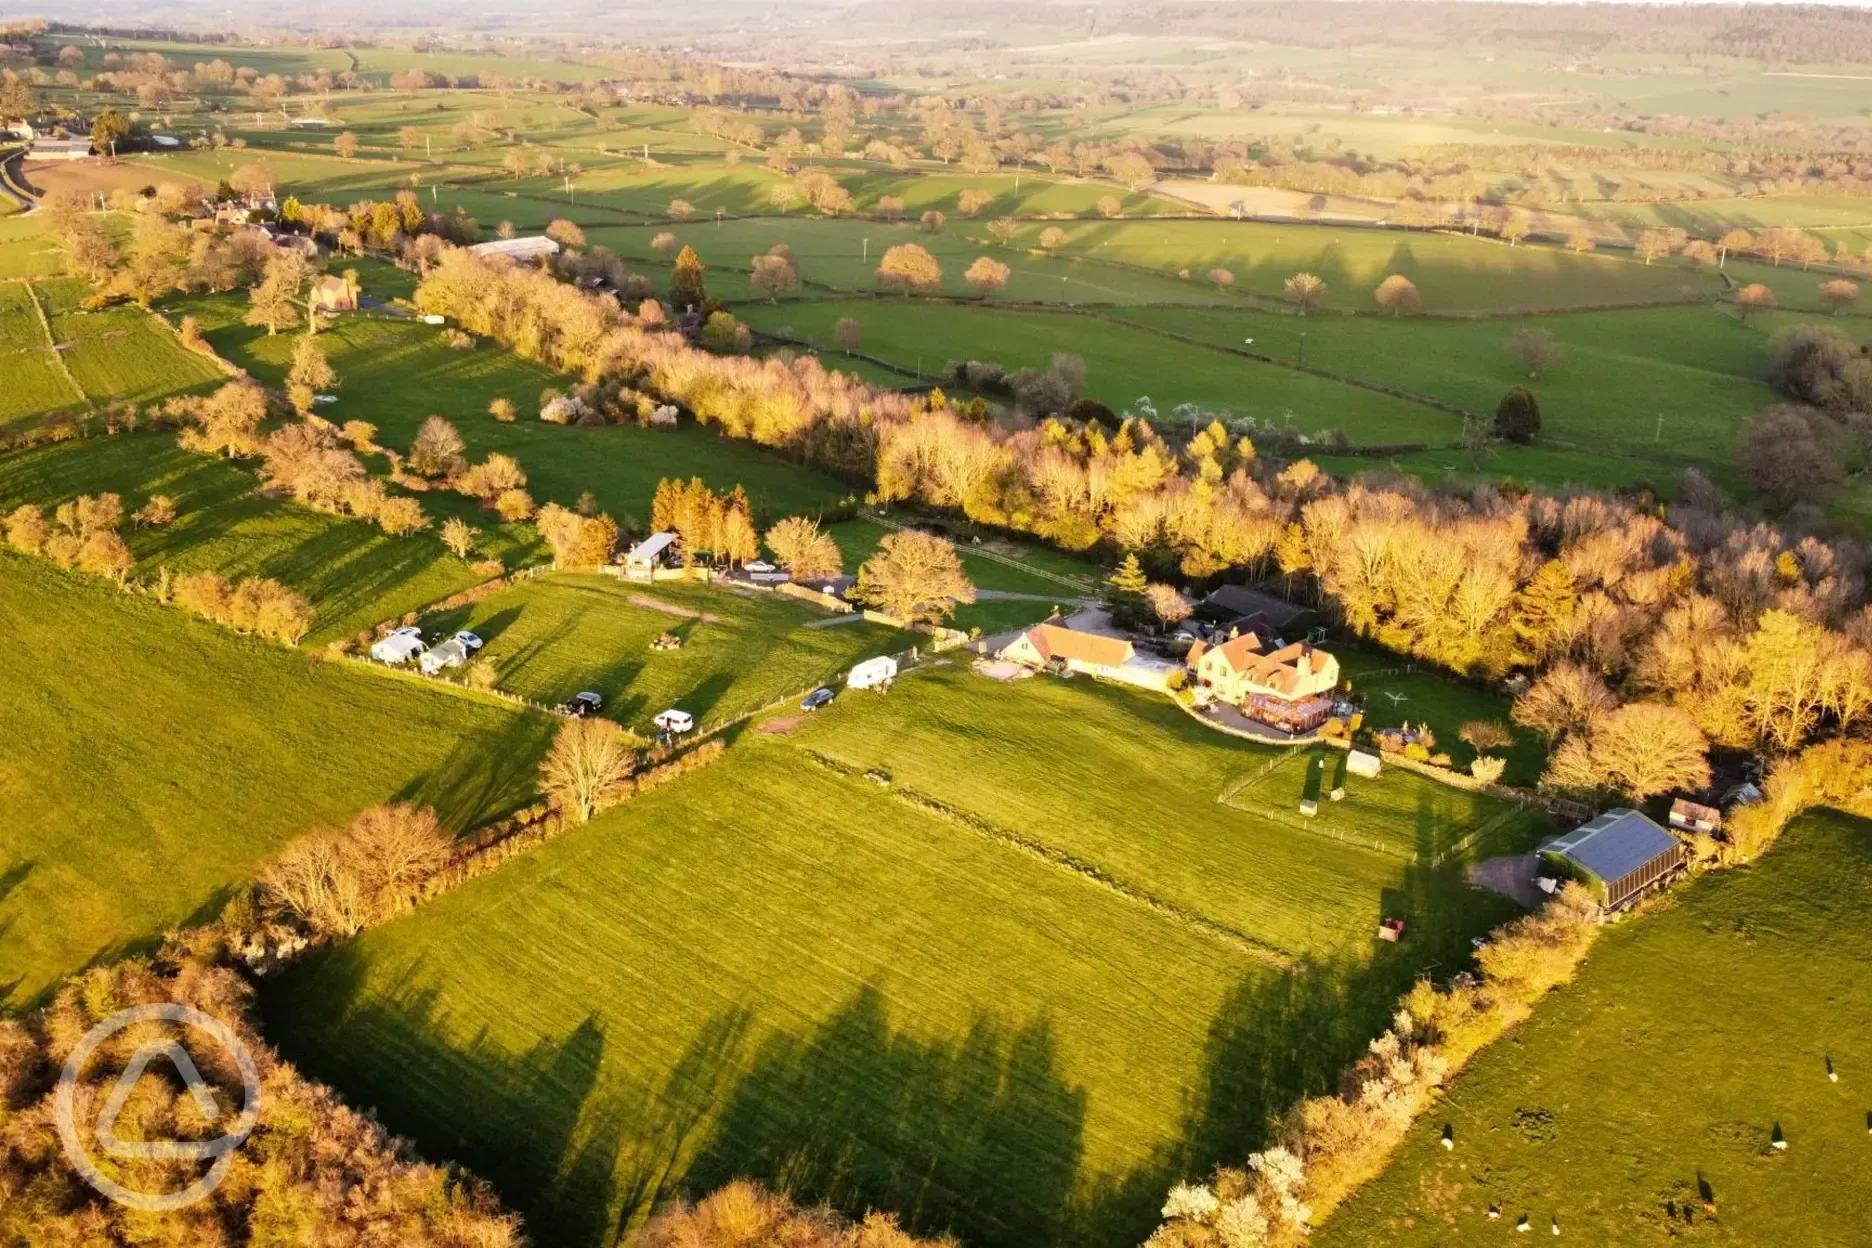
{"x": 1054, "y": 642}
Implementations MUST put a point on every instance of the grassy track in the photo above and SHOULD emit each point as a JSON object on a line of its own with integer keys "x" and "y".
{"x": 775, "y": 969}
{"x": 1666, "y": 1065}
{"x": 552, "y": 637}
{"x": 150, "y": 759}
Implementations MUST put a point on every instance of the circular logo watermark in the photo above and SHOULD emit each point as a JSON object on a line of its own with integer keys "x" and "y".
{"x": 220, "y": 1151}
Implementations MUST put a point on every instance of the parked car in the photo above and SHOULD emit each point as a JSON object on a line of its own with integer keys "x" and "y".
{"x": 471, "y": 642}
{"x": 816, "y": 699}
{"x": 758, "y": 566}
{"x": 579, "y": 705}
{"x": 408, "y": 630}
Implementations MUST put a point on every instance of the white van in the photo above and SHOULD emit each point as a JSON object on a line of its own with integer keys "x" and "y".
{"x": 873, "y": 672}
{"x": 399, "y": 647}
{"x": 675, "y": 722}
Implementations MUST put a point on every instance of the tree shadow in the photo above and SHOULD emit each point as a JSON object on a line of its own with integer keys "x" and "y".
{"x": 979, "y": 1136}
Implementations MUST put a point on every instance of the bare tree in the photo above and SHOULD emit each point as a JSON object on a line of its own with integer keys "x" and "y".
{"x": 1003, "y": 229}
{"x": 1167, "y": 603}
{"x": 1535, "y": 349}
{"x": 987, "y": 275}
{"x": 1305, "y": 289}
{"x": 459, "y": 536}
{"x": 805, "y": 550}
{"x": 774, "y": 276}
{"x": 437, "y": 450}
{"x": 1839, "y": 294}
{"x": 587, "y": 766}
{"x": 1754, "y": 298}
{"x": 847, "y": 334}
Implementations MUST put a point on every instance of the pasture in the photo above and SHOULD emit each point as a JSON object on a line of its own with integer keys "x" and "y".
{"x": 151, "y": 760}
{"x": 1638, "y": 1105}
{"x": 1123, "y": 365}
{"x": 37, "y": 386}
{"x": 354, "y": 574}
{"x": 395, "y": 374}
{"x": 551, "y": 637}
{"x": 864, "y": 988}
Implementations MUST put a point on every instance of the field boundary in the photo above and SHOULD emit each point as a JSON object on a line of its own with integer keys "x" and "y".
{"x": 938, "y": 809}
{"x": 58, "y": 357}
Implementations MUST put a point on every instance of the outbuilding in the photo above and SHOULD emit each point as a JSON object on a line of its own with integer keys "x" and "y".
{"x": 1364, "y": 764}
{"x": 1619, "y": 856}
{"x": 60, "y": 149}
{"x": 1689, "y": 816}
{"x": 519, "y": 249}
{"x": 655, "y": 551}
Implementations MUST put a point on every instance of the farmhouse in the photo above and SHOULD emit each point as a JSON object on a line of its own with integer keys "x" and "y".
{"x": 1689, "y": 816}
{"x": 518, "y": 248}
{"x": 1051, "y": 643}
{"x": 655, "y": 551}
{"x": 1288, "y": 688}
{"x": 1618, "y": 856}
{"x": 61, "y": 149}
{"x": 334, "y": 294}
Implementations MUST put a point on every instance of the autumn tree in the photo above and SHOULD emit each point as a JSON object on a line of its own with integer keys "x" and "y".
{"x": 1753, "y": 298}
{"x": 1126, "y": 591}
{"x": 972, "y": 201}
{"x": 311, "y": 373}
{"x": 1640, "y": 750}
{"x": 1784, "y": 451}
{"x": 226, "y": 422}
{"x": 1167, "y": 603}
{"x": 681, "y": 209}
{"x": 1566, "y": 699}
{"x": 341, "y": 882}
{"x": 686, "y": 285}
{"x": 1305, "y": 290}
{"x": 1003, "y": 229}
{"x": 915, "y": 576}
{"x": 987, "y": 275}
{"x": 459, "y": 536}
{"x": 1222, "y": 278}
{"x": 1655, "y": 243}
{"x": 274, "y": 303}
{"x": 1052, "y": 239}
{"x": 1839, "y": 294}
{"x": 1397, "y": 294}
{"x": 587, "y": 767}
{"x": 847, "y": 334}
{"x": 503, "y": 410}
{"x": 805, "y": 550}
{"x": 664, "y": 242}
{"x": 774, "y": 276}
{"x": 1535, "y": 349}
{"x": 931, "y": 222}
{"x": 437, "y": 451}
{"x": 909, "y": 269}
{"x": 566, "y": 233}
{"x": 1581, "y": 239}
{"x": 346, "y": 145}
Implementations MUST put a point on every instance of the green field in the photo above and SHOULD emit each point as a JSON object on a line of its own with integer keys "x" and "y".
{"x": 1688, "y": 1036}
{"x": 353, "y": 574}
{"x": 552, "y": 637}
{"x": 775, "y": 969}
{"x": 1122, "y": 364}
{"x": 395, "y": 374}
{"x": 36, "y": 386}
{"x": 150, "y": 760}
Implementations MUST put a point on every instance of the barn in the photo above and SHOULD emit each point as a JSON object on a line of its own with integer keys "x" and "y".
{"x": 1619, "y": 856}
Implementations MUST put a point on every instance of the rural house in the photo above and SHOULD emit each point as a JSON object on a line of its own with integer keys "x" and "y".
{"x": 1052, "y": 643}
{"x": 1618, "y": 856}
{"x": 1288, "y": 688}
{"x": 334, "y": 294}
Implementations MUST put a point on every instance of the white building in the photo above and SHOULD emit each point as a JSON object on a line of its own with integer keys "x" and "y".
{"x": 60, "y": 149}
{"x": 518, "y": 248}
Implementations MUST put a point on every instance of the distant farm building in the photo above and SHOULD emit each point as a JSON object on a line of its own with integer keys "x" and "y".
{"x": 518, "y": 248}
{"x": 60, "y": 149}
{"x": 1689, "y": 816}
{"x": 1618, "y": 856}
{"x": 334, "y": 294}
{"x": 1289, "y": 688}
{"x": 655, "y": 551}
{"x": 308, "y": 122}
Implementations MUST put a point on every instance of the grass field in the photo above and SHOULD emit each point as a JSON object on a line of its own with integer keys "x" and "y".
{"x": 1122, "y": 364}
{"x": 150, "y": 760}
{"x": 557, "y": 635}
{"x": 395, "y": 374}
{"x": 36, "y": 386}
{"x": 120, "y": 355}
{"x": 354, "y": 574}
{"x": 775, "y": 969}
{"x": 1638, "y": 1104}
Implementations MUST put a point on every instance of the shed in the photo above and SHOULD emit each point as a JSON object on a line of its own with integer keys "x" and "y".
{"x": 1689, "y": 816}
{"x": 653, "y": 552}
{"x": 1361, "y": 763}
{"x": 60, "y": 149}
{"x": 1618, "y": 855}
{"x": 1240, "y": 602}
{"x": 518, "y": 248}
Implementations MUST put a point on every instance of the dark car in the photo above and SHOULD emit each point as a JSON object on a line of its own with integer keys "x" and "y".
{"x": 581, "y": 705}
{"x": 816, "y": 699}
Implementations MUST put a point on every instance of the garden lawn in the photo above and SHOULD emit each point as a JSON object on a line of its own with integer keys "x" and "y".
{"x": 395, "y": 374}
{"x": 774, "y": 969}
{"x": 151, "y": 760}
{"x": 552, "y": 637}
{"x": 354, "y": 574}
{"x": 1399, "y": 692}
{"x": 1123, "y": 364}
{"x": 1637, "y": 1106}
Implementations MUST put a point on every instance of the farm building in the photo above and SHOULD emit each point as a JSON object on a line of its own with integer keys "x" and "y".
{"x": 333, "y": 294}
{"x": 655, "y": 551}
{"x": 1363, "y": 764}
{"x": 1082, "y": 652}
{"x": 1689, "y": 816}
{"x": 1619, "y": 856}
{"x": 518, "y": 248}
{"x": 1254, "y": 611}
{"x": 60, "y": 149}
{"x": 1288, "y": 688}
